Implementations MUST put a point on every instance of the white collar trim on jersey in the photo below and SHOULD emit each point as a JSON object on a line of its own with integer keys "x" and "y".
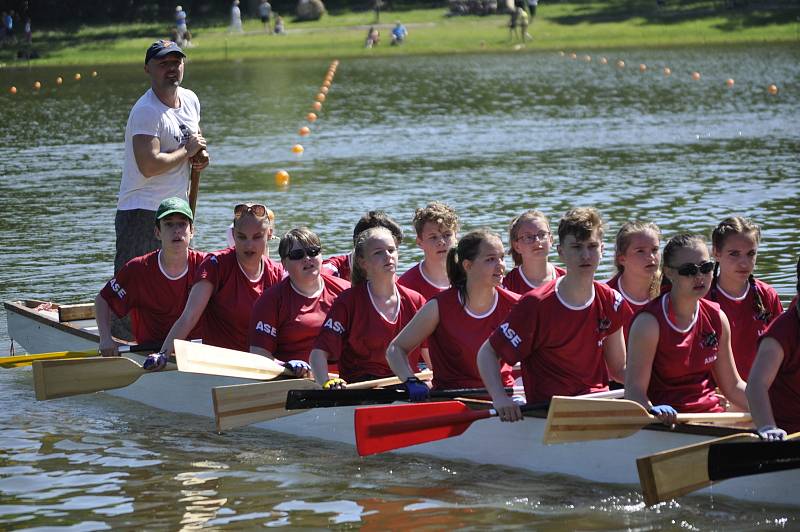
{"x": 551, "y": 273}
{"x": 485, "y": 314}
{"x": 315, "y": 295}
{"x": 422, "y": 272}
{"x": 584, "y": 306}
{"x": 381, "y": 314}
{"x": 675, "y": 327}
{"x": 733, "y": 298}
{"x": 260, "y": 271}
{"x": 168, "y": 276}
{"x": 626, "y": 296}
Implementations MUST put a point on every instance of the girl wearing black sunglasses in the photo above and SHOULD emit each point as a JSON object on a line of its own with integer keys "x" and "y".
{"x": 229, "y": 281}
{"x": 287, "y": 318}
{"x": 679, "y": 344}
{"x": 774, "y": 385}
{"x": 749, "y": 304}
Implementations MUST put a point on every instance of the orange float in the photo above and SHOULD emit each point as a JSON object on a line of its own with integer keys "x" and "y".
{"x": 77, "y": 76}
{"x": 311, "y": 117}
{"x": 772, "y": 89}
{"x": 59, "y": 80}
{"x": 316, "y": 106}
{"x": 667, "y": 71}
{"x": 729, "y": 82}
{"x": 323, "y": 89}
{"x": 620, "y": 64}
{"x": 603, "y": 60}
{"x": 281, "y": 178}
{"x": 94, "y": 73}
{"x": 12, "y": 90}
{"x": 695, "y": 75}
{"x": 298, "y": 149}
{"x": 37, "y": 85}
{"x": 642, "y": 67}
{"x": 320, "y": 97}
{"x": 304, "y": 131}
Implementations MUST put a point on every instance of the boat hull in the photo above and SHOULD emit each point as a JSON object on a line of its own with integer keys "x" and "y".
{"x": 517, "y": 445}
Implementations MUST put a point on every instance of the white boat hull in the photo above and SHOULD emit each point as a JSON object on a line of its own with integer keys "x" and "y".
{"x": 517, "y": 445}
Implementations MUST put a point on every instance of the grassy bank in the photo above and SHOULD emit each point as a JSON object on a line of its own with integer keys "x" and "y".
{"x": 557, "y": 26}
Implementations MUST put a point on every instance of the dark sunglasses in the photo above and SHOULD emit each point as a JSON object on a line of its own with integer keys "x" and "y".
{"x": 690, "y": 270}
{"x": 301, "y": 253}
{"x": 258, "y": 210}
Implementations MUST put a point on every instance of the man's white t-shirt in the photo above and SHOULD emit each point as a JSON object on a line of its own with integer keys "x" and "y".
{"x": 173, "y": 127}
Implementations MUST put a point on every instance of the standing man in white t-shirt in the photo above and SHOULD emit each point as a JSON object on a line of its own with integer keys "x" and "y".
{"x": 162, "y": 141}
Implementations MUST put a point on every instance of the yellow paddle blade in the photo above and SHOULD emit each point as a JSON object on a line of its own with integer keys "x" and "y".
{"x": 577, "y": 419}
{"x": 27, "y": 360}
{"x": 244, "y": 404}
{"x": 212, "y": 360}
{"x": 62, "y": 378}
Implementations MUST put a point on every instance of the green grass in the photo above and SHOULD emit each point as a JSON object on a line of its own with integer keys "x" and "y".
{"x": 558, "y": 26}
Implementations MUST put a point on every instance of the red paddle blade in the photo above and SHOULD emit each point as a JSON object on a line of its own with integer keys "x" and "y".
{"x": 384, "y": 428}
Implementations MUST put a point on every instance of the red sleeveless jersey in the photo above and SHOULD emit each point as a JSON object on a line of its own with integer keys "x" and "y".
{"x": 682, "y": 366}
{"x": 459, "y": 335}
{"x": 784, "y": 394}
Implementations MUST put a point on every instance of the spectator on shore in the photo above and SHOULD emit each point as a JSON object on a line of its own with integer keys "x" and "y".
{"x": 279, "y": 28}
{"x": 265, "y": 12}
{"x": 376, "y": 6}
{"x": 182, "y": 34}
{"x": 512, "y": 24}
{"x": 522, "y": 21}
{"x": 8, "y": 26}
{"x": 373, "y": 36}
{"x": 236, "y": 18}
{"x": 399, "y": 34}
{"x": 28, "y": 33}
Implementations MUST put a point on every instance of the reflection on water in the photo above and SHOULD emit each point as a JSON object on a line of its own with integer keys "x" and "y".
{"x": 492, "y": 135}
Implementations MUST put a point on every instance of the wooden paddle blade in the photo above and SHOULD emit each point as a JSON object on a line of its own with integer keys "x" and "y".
{"x": 384, "y": 428}
{"x": 27, "y": 360}
{"x": 62, "y": 378}
{"x": 243, "y": 404}
{"x": 579, "y": 419}
{"x": 212, "y": 360}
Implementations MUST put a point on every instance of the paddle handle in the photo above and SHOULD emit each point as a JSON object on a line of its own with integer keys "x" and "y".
{"x": 720, "y": 417}
{"x": 388, "y": 381}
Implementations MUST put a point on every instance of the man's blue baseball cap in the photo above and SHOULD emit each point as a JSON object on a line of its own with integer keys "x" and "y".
{"x": 162, "y": 48}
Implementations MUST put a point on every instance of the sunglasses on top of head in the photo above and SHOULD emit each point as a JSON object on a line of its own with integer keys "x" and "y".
{"x": 301, "y": 253}
{"x": 258, "y": 210}
{"x": 690, "y": 270}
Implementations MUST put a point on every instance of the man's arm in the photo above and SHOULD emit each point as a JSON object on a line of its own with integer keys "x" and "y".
{"x": 152, "y": 162}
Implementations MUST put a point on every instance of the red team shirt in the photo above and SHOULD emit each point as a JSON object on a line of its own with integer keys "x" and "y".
{"x": 519, "y": 284}
{"x": 682, "y": 367}
{"x": 154, "y": 301}
{"x": 286, "y": 323}
{"x": 356, "y": 335}
{"x": 415, "y": 279}
{"x": 635, "y": 305}
{"x": 227, "y": 315}
{"x": 459, "y": 335}
{"x": 338, "y": 266}
{"x": 746, "y": 326}
{"x": 560, "y": 347}
{"x": 784, "y": 394}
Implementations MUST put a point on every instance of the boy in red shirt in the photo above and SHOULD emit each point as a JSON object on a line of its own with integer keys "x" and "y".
{"x": 567, "y": 334}
{"x": 152, "y": 288}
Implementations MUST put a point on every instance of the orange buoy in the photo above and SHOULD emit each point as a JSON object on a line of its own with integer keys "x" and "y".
{"x": 695, "y": 75}
{"x": 561, "y": 53}
{"x": 304, "y": 131}
{"x": 620, "y": 64}
{"x": 77, "y": 76}
{"x": 281, "y": 178}
{"x": 772, "y": 89}
{"x": 729, "y": 82}
{"x": 311, "y": 117}
{"x": 642, "y": 67}
{"x": 573, "y": 55}
{"x": 12, "y": 90}
{"x": 667, "y": 71}
{"x": 326, "y": 83}
{"x": 37, "y": 85}
{"x": 317, "y": 106}
{"x": 320, "y": 97}
{"x": 94, "y": 73}
{"x": 603, "y": 60}
{"x": 297, "y": 149}
{"x": 587, "y": 58}
{"x": 323, "y": 89}
{"x": 59, "y": 80}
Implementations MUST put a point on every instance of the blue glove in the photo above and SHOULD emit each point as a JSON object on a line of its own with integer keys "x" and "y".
{"x": 155, "y": 362}
{"x": 665, "y": 413}
{"x": 298, "y": 367}
{"x": 417, "y": 390}
{"x": 771, "y": 433}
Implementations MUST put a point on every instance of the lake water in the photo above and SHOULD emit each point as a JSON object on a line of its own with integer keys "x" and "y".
{"x": 492, "y": 136}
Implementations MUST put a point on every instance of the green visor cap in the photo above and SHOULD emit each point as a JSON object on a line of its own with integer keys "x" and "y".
{"x": 173, "y": 205}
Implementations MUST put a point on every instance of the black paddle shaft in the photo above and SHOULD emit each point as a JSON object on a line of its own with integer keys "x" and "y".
{"x": 729, "y": 460}
{"x": 304, "y": 399}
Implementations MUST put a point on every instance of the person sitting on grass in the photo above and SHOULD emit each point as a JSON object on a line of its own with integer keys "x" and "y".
{"x": 373, "y": 36}
{"x": 399, "y": 34}
{"x": 279, "y": 28}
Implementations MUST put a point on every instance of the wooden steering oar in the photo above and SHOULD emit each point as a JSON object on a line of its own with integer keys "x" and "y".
{"x": 238, "y": 405}
{"x": 670, "y": 474}
{"x": 194, "y": 183}
{"x": 385, "y": 428}
{"x": 573, "y": 419}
